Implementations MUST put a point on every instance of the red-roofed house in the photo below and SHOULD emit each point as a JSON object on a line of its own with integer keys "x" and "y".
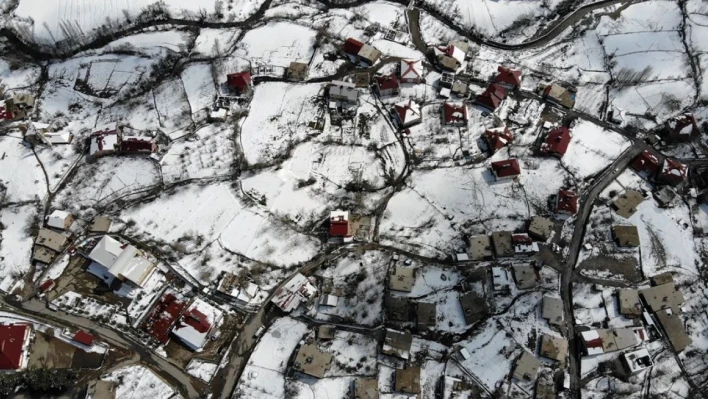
{"x": 408, "y": 114}
{"x": 455, "y": 114}
{"x": 509, "y": 78}
{"x": 104, "y": 140}
{"x": 492, "y": 97}
{"x": 83, "y": 338}
{"x": 505, "y": 170}
{"x": 241, "y": 81}
{"x": 352, "y": 46}
{"x": 13, "y": 341}
{"x": 388, "y": 85}
{"x": 672, "y": 172}
{"x": 46, "y": 286}
{"x": 196, "y": 323}
{"x": 137, "y": 145}
{"x": 497, "y": 138}
{"x": 682, "y": 128}
{"x": 556, "y": 143}
{"x": 567, "y": 202}
{"x": 647, "y": 162}
{"x": 5, "y": 113}
{"x": 411, "y": 71}
{"x": 163, "y": 317}
{"x": 339, "y": 226}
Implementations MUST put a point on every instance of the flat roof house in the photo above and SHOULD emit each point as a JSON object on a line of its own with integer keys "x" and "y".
{"x": 500, "y": 279}
{"x": 626, "y": 203}
{"x": 636, "y": 361}
{"x": 366, "y": 388}
{"x": 480, "y": 248}
{"x": 448, "y": 63}
{"x": 100, "y": 389}
{"x": 557, "y": 142}
{"x": 51, "y": 239}
{"x": 560, "y": 95}
{"x": 673, "y": 327}
{"x": 567, "y": 202}
{"x": 241, "y": 82}
{"x": 553, "y": 310}
{"x": 474, "y": 307}
{"x": 497, "y": 138}
{"x": 411, "y": 71}
{"x": 492, "y": 97}
{"x": 503, "y": 244}
{"x": 509, "y": 78}
{"x": 14, "y": 339}
{"x": 629, "y": 304}
{"x": 397, "y": 343}
{"x": 526, "y": 367}
{"x": 368, "y": 54}
{"x": 312, "y": 361}
{"x": 626, "y": 236}
{"x": 401, "y": 279}
{"x": 297, "y": 71}
{"x": 525, "y": 277}
{"x": 101, "y": 224}
{"x": 408, "y": 114}
{"x": 397, "y": 308}
{"x": 664, "y": 296}
{"x": 541, "y": 228}
{"x": 61, "y": 220}
{"x": 454, "y": 114}
{"x": 427, "y": 315}
{"x": 408, "y": 380}
{"x": 553, "y": 347}
{"x": 505, "y": 170}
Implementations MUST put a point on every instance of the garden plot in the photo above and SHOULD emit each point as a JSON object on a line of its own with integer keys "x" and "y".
{"x": 494, "y": 353}
{"x": 15, "y": 243}
{"x": 199, "y": 86}
{"x": 357, "y": 277}
{"x": 26, "y": 181}
{"x": 276, "y": 120}
{"x": 430, "y": 280}
{"x": 172, "y": 106}
{"x": 339, "y": 165}
{"x": 450, "y": 316}
{"x": 278, "y": 44}
{"x": 662, "y": 99}
{"x": 642, "y": 17}
{"x": 138, "y": 113}
{"x": 435, "y": 32}
{"x": 202, "y": 369}
{"x": 591, "y": 97}
{"x": 208, "y": 153}
{"x": 384, "y": 14}
{"x": 642, "y": 42}
{"x": 138, "y": 382}
{"x": 106, "y": 76}
{"x": 565, "y": 60}
{"x": 107, "y": 180}
{"x": 337, "y": 387}
{"x": 592, "y": 149}
{"x": 211, "y": 42}
{"x": 56, "y": 160}
{"x": 21, "y": 77}
{"x": 662, "y": 65}
{"x": 153, "y": 43}
{"x": 352, "y": 354}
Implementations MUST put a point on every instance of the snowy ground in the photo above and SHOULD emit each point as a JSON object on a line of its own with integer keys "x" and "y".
{"x": 138, "y": 382}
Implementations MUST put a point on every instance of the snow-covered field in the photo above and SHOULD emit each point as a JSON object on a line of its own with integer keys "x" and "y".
{"x": 138, "y": 382}
{"x": 592, "y": 149}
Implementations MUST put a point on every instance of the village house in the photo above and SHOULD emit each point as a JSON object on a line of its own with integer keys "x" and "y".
{"x": 525, "y": 276}
{"x": 101, "y": 224}
{"x": 366, "y": 388}
{"x": 665, "y": 197}
{"x": 459, "y": 88}
{"x": 664, "y": 296}
{"x": 454, "y": 52}
{"x": 508, "y": 78}
{"x": 163, "y": 316}
{"x": 397, "y": 343}
{"x": 473, "y": 306}
{"x": 14, "y": 349}
{"x": 629, "y": 304}
{"x": 343, "y": 91}
{"x": 448, "y": 63}
{"x": 240, "y": 82}
{"x": 497, "y": 138}
{"x": 674, "y": 329}
{"x": 553, "y": 347}
{"x": 387, "y": 85}
{"x": 311, "y": 360}
{"x": 480, "y": 248}
{"x": 682, "y": 128}
{"x": 567, "y": 202}
{"x": 646, "y": 163}
{"x": 196, "y": 323}
{"x": 595, "y": 342}
{"x": 426, "y": 316}
{"x": 411, "y": 71}
{"x": 297, "y": 71}
{"x": 492, "y": 97}
{"x": 368, "y": 54}
{"x": 408, "y": 380}
{"x": 61, "y": 220}
{"x": 447, "y": 79}
{"x": 326, "y": 333}
{"x": 625, "y": 236}
{"x": 407, "y": 113}
{"x": 505, "y": 170}
{"x": 556, "y": 143}
{"x": 500, "y": 279}
{"x": 298, "y": 291}
{"x": 454, "y": 114}
{"x": 137, "y": 145}
{"x": 672, "y": 172}
{"x": 503, "y": 244}
{"x": 104, "y": 140}
{"x": 352, "y": 46}
{"x": 116, "y": 260}
{"x": 661, "y": 279}
{"x": 553, "y": 310}
{"x": 540, "y": 228}
{"x": 560, "y": 95}
{"x": 523, "y": 244}
{"x": 401, "y": 279}
{"x": 397, "y": 308}
{"x": 526, "y": 367}
{"x": 339, "y": 230}
{"x": 18, "y": 107}
{"x": 47, "y": 244}
{"x": 626, "y": 203}
{"x": 636, "y": 361}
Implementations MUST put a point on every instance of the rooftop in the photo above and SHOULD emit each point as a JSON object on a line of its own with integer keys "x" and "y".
{"x": 626, "y": 236}
{"x": 525, "y": 277}
{"x": 503, "y": 244}
{"x": 526, "y": 367}
{"x": 397, "y": 344}
{"x": 541, "y": 228}
{"x": 480, "y": 247}
{"x": 626, "y": 203}
{"x": 474, "y": 307}
{"x": 312, "y": 361}
{"x": 673, "y": 327}
{"x": 553, "y": 310}
{"x": 401, "y": 279}
{"x": 553, "y": 347}
{"x": 664, "y": 296}
{"x": 408, "y": 380}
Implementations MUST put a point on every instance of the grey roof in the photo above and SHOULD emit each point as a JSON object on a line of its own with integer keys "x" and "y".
{"x": 526, "y": 367}
{"x": 673, "y": 327}
{"x": 473, "y": 306}
{"x": 664, "y": 296}
{"x": 44, "y": 255}
{"x": 503, "y": 244}
{"x": 480, "y": 247}
{"x": 525, "y": 277}
{"x": 408, "y": 380}
{"x": 427, "y": 315}
{"x": 662, "y": 278}
{"x": 397, "y": 308}
{"x": 553, "y": 310}
{"x": 397, "y": 343}
{"x": 541, "y": 228}
{"x": 326, "y": 332}
{"x": 629, "y": 304}
{"x": 665, "y": 196}
{"x": 401, "y": 279}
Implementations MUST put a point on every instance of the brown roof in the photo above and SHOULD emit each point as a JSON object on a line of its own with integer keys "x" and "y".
{"x": 629, "y": 303}
{"x": 366, "y": 388}
{"x": 664, "y": 296}
{"x": 673, "y": 327}
{"x": 626, "y": 203}
{"x": 473, "y": 306}
{"x": 555, "y": 348}
{"x": 312, "y": 361}
{"x": 626, "y": 236}
{"x": 408, "y": 380}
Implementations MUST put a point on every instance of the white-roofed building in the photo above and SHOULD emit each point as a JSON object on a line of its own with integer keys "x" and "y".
{"x": 295, "y": 292}
{"x": 122, "y": 261}
{"x": 195, "y": 325}
{"x": 60, "y": 220}
{"x": 104, "y": 140}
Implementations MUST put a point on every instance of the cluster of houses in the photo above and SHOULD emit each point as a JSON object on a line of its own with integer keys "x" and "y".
{"x": 111, "y": 139}
{"x": 16, "y": 107}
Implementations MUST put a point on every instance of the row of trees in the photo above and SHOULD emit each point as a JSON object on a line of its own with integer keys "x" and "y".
{"x": 37, "y": 380}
